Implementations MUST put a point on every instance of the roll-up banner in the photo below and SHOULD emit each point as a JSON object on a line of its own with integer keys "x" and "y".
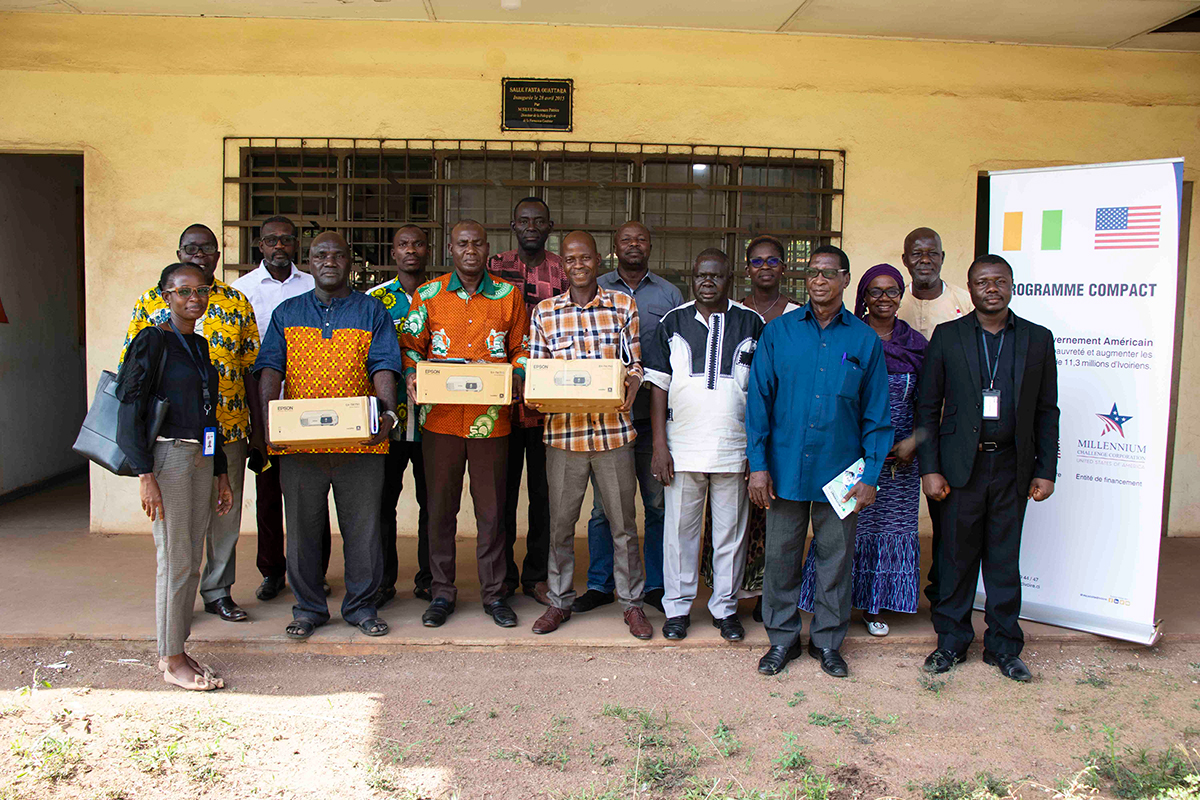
{"x": 1094, "y": 251}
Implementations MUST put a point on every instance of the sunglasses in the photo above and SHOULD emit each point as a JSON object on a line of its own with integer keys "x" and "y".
{"x": 875, "y": 292}
{"x": 773, "y": 261}
{"x": 184, "y": 292}
{"x": 827, "y": 274}
{"x": 192, "y": 249}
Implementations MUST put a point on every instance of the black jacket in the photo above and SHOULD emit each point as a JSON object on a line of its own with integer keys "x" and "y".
{"x": 950, "y": 402}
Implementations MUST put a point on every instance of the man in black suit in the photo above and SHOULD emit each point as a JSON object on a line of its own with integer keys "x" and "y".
{"x": 987, "y": 422}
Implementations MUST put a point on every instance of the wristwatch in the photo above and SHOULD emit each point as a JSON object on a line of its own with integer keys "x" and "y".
{"x": 394, "y": 416}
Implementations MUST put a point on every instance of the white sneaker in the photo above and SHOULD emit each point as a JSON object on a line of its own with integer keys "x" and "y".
{"x": 876, "y": 627}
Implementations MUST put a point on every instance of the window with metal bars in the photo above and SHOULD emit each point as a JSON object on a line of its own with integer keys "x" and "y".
{"x": 690, "y": 197}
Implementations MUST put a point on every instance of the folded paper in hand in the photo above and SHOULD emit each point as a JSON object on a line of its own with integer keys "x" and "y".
{"x": 836, "y": 489}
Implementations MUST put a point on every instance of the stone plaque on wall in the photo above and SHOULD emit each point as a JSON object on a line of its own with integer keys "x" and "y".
{"x": 536, "y": 104}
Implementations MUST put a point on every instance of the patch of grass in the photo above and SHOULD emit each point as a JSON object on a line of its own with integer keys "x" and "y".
{"x": 605, "y": 792}
{"x": 727, "y": 744}
{"x": 1093, "y": 679}
{"x": 460, "y": 714}
{"x": 149, "y": 752}
{"x": 837, "y": 721}
{"x": 797, "y": 698}
{"x": 620, "y": 712}
{"x": 492, "y": 714}
{"x": 936, "y": 683}
{"x": 656, "y": 772}
{"x": 380, "y": 779}
{"x": 506, "y": 755}
{"x": 1137, "y": 774}
{"x": 792, "y": 757}
{"x": 49, "y": 758}
{"x": 984, "y": 786}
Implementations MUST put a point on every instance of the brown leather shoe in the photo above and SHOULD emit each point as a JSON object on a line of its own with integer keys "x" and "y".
{"x": 549, "y": 621}
{"x": 635, "y": 618}
{"x": 539, "y": 591}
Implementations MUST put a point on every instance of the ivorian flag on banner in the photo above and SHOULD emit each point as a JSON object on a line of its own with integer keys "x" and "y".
{"x": 1014, "y": 222}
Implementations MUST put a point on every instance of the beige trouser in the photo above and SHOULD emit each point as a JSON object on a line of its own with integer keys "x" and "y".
{"x": 683, "y": 532}
{"x": 568, "y": 474}
{"x": 185, "y": 479}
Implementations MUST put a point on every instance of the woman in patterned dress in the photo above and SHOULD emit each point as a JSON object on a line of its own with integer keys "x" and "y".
{"x": 887, "y": 556}
{"x": 765, "y": 266}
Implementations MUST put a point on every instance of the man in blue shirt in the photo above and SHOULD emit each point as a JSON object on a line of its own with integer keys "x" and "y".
{"x": 818, "y": 402}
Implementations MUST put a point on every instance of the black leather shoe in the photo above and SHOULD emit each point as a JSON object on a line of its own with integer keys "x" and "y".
{"x": 654, "y": 598}
{"x": 589, "y": 600}
{"x": 501, "y": 614}
{"x": 1011, "y": 667}
{"x": 777, "y": 657}
{"x": 422, "y": 593}
{"x": 942, "y": 660}
{"x": 270, "y": 588}
{"x": 226, "y": 609}
{"x": 435, "y": 616}
{"x": 831, "y": 660}
{"x": 677, "y": 627}
{"x": 383, "y": 596}
{"x": 731, "y": 628}
{"x": 757, "y": 613}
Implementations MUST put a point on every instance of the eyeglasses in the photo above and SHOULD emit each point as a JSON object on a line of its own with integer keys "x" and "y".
{"x": 875, "y": 292}
{"x": 271, "y": 241}
{"x": 184, "y": 292}
{"x": 827, "y": 274}
{"x": 773, "y": 261}
{"x": 192, "y": 249}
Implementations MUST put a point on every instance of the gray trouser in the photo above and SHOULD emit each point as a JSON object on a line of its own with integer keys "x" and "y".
{"x": 568, "y": 473}
{"x": 185, "y": 479}
{"x": 357, "y": 481}
{"x": 221, "y": 542}
{"x": 683, "y": 534}
{"x": 832, "y": 547}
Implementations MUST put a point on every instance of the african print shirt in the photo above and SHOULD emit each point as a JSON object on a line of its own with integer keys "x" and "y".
{"x": 232, "y": 336}
{"x": 330, "y": 351}
{"x": 446, "y": 323}
{"x": 539, "y": 283}
{"x": 607, "y": 327}
{"x": 397, "y": 302}
{"x": 703, "y": 366}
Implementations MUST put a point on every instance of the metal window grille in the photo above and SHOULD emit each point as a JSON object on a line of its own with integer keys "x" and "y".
{"x": 690, "y": 197}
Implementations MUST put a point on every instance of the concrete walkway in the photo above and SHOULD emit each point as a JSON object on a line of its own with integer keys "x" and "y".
{"x": 62, "y": 582}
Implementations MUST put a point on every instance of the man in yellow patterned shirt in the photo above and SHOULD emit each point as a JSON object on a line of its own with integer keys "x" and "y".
{"x": 232, "y": 336}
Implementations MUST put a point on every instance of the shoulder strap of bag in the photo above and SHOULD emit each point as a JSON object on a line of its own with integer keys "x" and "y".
{"x": 162, "y": 361}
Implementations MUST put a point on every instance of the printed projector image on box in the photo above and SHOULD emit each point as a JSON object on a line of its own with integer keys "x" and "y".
{"x": 464, "y": 383}
{"x": 323, "y": 421}
{"x": 583, "y": 385}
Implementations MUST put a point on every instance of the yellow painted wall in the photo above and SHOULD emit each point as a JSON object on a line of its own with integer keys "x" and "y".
{"x": 148, "y": 100}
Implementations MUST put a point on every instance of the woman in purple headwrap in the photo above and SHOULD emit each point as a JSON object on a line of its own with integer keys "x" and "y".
{"x": 886, "y": 553}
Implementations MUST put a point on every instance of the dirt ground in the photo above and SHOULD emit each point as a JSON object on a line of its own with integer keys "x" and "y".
{"x": 95, "y": 721}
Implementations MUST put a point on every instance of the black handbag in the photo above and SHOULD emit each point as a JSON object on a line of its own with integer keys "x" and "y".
{"x": 97, "y": 440}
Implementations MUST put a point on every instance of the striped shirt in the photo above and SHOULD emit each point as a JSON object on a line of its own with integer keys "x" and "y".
{"x": 606, "y": 327}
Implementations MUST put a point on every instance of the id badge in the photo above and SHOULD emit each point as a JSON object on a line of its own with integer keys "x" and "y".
{"x": 210, "y": 442}
{"x": 991, "y": 404}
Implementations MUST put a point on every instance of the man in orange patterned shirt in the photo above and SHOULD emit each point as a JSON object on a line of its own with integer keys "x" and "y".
{"x": 332, "y": 342}
{"x": 466, "y": 315}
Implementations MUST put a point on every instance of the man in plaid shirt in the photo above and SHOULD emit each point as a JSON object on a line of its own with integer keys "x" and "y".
{"x": 590, "y": 322}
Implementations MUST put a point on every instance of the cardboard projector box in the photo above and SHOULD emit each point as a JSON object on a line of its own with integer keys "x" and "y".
{"x": 323, "y": 421}
{"x": 583, "y": 385}
{"x": 471, "y": 383}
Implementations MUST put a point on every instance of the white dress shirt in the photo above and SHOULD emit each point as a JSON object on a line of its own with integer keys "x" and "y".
{"x": 266, "y": 293}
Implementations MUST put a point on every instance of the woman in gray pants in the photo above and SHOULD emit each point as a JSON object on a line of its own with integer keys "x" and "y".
{"x": 176, "y": 471}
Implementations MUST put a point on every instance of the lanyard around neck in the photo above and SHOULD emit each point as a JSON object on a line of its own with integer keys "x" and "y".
{"x": 988, "y": 358}
{"x": 199, "y": 368}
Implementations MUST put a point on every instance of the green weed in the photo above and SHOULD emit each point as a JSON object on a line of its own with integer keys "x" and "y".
{"x": 984, "y": 786}
{"x": 460, "y": 714}
{"x": 837, "y": 721}
{"x": 797, "y": 698}
{"x": 727, "y": 744}
{"x": 1137, "y": 774}
{"x": 49, "y": 758}
{"x": 792, "y": 757}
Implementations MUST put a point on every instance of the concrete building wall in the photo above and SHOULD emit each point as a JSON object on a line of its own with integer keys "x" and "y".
{"x": 148, "y": 101}
{"x": 42, "y": 388}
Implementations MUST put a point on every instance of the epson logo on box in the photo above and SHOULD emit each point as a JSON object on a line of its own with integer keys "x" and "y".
{"x": 285, "y": 408}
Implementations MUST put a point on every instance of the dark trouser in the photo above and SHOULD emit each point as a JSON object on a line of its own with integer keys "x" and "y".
{"x": 446, "y": 459}
{"x": 357, "y": 481}
{"x": 981, "y": 526}
{"x": 269, "y": 515}
{"x": 935, "y": 548}
{"x": 394, "y": 464}
{"x": 833, "y": 549}
{"x": 525, "y": 446}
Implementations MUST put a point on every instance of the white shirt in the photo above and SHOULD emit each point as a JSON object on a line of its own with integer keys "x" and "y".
{"x": 704, "y": 366}
{"x": 266, "y": 293}
{"x": 925, "y": 315}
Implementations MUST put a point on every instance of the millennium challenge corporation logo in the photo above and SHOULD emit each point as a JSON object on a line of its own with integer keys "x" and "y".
{"x": 1112, "y": 451}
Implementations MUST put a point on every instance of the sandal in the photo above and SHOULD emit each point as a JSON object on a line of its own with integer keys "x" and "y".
{"x": 876, "y": 626}
{"x": 198, "y": 683}
{"x": 371, "y": 626}
{"x": 300, "y": 629}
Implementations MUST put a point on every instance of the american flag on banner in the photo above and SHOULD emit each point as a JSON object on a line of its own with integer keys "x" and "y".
{"x": 1127, "y": 227}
